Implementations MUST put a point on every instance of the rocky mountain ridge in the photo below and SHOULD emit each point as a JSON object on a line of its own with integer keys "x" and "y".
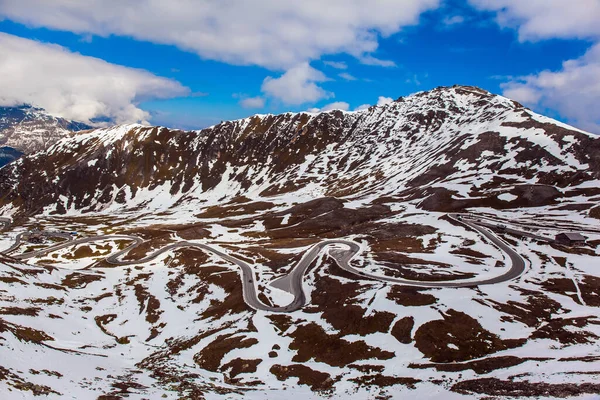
{"x": 450, "y": 148}
{"x": 29, "y": 129}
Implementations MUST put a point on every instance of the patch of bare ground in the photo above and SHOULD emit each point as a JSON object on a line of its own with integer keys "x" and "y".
{"x": 589, "y": 286}
{"x": 306, "y": 376}
{"x": 334, "y": 299}
{"x": 470, "y": 253}
{"x": 195, "y": 262}
{"x": 234, "y": 302}
{"x": 83, "y": 252}
{"x": 459, "y": 337}
{"x": 78, "y": 280}
{"x": 410, "y": 296}
{"x": 540, "y": 312}
{"x": 12, "y": 279}
{"x": 380, "y": 380}
{"x": 148, "y": 247}
{"x": 288, "y": 243}
{"x": 270, "y": 258}
{"x": 312, "y": 342}
{"x": 323, "y": 220}
{"x": 484, "y": 366}
{"x": 209, "y": 358}
{"x": 29, "y": 311}
{"x": 187, "y": 263}
{"x": 147, "y": 302}
{"x": 22, "y": 385}
{"x": 49, "y": 286}
{"x": 497, "y": 387}
{"x": 24, "y": 334}
{"x": 239, "y": 366}
{"x": 366, "y": 368}
{"x": 235, "y": 210}
{"x": 281, "y": 321}
{"x": 103, "y": 320}
{"x": 402, "y": 330}
{"x": 400, "y": 265}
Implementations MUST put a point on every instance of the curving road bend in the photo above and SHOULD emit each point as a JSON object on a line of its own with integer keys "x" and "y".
{"x": 293, "y": 281}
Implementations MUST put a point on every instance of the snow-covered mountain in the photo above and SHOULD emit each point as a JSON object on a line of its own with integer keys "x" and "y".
{"x": 451, "y": 147}
{"x": 30, "y": 129}
{"x": 406, "y": 317}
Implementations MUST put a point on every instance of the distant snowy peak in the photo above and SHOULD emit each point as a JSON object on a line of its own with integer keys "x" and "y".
{"x": 30, "y": 129}
{"x": 447, "y": 149}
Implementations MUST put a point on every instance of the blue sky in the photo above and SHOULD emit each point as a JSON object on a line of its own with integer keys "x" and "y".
{"x": 192, "y": 83}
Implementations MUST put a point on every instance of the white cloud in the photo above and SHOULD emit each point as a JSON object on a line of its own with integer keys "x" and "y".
{"x": 297, "y": 86}
{"x": 453, "y": 20}
{"x": 384, "y": 100}
{"x": 545, "y": 19}
{"x": 76, "y": 86}
{"x": 573, "y": 91}
{"x": 346, "y": 76}
{"x": 253, "y": 102}
{"x": 362, "y": 107}
{"x": 338, "y": 105}
{"x": 274, "y": 34}
{"x": 370, "y": 60}
{"x": 336, "y": 64}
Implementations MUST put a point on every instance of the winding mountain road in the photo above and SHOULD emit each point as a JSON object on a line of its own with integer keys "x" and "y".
{"x": 293, "y": 281}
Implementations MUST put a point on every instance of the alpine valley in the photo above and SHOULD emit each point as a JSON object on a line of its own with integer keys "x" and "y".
{"x": 445, "y": 245}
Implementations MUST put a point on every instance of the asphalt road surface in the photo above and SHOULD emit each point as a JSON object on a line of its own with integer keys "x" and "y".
{"x": 342, "y": 253}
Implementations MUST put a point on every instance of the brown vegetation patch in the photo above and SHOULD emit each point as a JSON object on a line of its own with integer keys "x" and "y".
{"x": 334, "y": 300}
{"x": 538, "y": 308}
{"x": 241, "y": 366}
{"x": 589, "y": 288}
{"x": 469, "y": 253}
{"x": 312, "y": 342}
{"x": 384, "y": 381}
{"x": 235, "y": 210}
{"x": 410, "y": 296}
{"x": 12, "y": 279}
{"x": 402, "y": 330}
{"x": 23, "y": 333}
{"x": 271, "y": 258}
{"x": 306, "y": 376}
{"x": 281, "y": 321}
{"x": 555, "y": 330}
{"x": 401, "y": 266}
{"x": 49, "y": 286}
{"x": 484, "y": 366}
{"x": 458, "y": 337}
{"x": 29, "y": 311}
{"x": 20, "y": 384}
{"x": 209, "y": 358}
{"x": 78, "y": 280}
{"x": 497, "y": 387}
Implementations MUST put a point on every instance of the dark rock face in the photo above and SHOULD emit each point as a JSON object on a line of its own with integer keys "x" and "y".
{"x": 450, "y": 149}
